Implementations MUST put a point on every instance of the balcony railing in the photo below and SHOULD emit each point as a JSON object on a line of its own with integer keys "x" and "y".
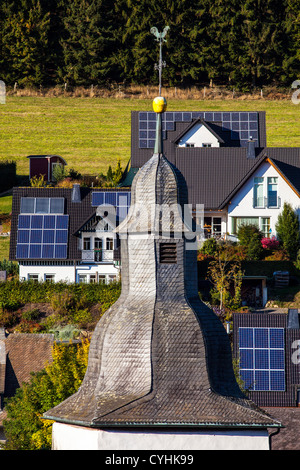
{"x": 97, "y": 255}
{"x": 267, "y": 202}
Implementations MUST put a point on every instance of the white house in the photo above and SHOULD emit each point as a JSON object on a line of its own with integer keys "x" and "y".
{"x": 67, "y": 234}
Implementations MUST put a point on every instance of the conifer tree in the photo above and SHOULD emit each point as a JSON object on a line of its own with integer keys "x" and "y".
{"x": 24, "y": 42}
{"x": 287, "y": 229}
{"x": 86, "y": 42}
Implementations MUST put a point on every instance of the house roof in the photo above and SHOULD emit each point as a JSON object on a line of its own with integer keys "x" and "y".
{"x": 79, "y": 213}
{"x": 286, "y": 161}
{"x": 214, "y": 175}
{"x": 47, "y": 156}
{"x": 210, "y": 127}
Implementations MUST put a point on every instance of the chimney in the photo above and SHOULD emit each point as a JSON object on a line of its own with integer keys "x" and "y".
{"x": 76, "y": 196}
{"x": 251, "y": 148}
{"x": 293, "y": 319}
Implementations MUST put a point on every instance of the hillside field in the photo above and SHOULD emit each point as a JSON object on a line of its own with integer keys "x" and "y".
{"x": 92, "y": 133}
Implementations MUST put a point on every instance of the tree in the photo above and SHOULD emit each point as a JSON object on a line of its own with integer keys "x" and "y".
{"x": 287, "y": 229}
{"x": 224, "y": 273}
{"x": 24, "y": 428}
{"x": 24, "y": 38}
{"x": 87, "y": 42}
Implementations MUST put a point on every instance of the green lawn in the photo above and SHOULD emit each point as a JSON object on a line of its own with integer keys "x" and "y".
{"x": 92, "y": 133}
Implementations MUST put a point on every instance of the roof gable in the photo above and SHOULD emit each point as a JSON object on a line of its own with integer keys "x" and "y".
{"x": 195, "y": 128}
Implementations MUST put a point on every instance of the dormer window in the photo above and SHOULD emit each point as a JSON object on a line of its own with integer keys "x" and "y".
{"x": 207, "y": 145}
{"x": 189, "y": 145}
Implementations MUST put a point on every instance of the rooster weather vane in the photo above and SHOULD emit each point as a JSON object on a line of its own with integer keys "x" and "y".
{"x": 161, "y": 38}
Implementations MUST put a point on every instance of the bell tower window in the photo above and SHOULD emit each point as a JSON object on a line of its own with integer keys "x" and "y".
{"x": 168, "y": 253}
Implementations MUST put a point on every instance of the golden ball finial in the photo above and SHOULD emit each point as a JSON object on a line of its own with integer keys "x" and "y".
{"x": 159, "y": 104}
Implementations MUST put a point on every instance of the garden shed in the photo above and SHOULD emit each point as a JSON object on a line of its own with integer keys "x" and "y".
{"x": 44, "y": 165}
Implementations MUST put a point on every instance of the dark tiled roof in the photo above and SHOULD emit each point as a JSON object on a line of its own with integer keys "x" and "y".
{"x": 211, "y": 174}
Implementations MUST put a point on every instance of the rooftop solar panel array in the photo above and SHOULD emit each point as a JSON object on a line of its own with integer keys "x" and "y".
{"x": 241, "y": 125}
{"x": 42, "y": 236}
{"x": 262, "y": 358}
{"x": 119, "y": 200}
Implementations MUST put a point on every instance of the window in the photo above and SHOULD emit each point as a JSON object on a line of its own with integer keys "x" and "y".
{"x": 272, "y": 192}
{"x": 212, "y": 227}
{"x": 33, "y": 277}
{"x": 102, "y": 279}
{"x": 92, "y": 278}
{"x": 111, "y": 278}
{"x": 168, "y": 253}
{"x": 109, "y": 244}
{"x": 86, "y": 243}
{"x": 83, "y": 278}
{"x": 206, "y": 145}
{"x": 258, "y": 199}
{"x": 190, "y": 145}
{"x": 238, "y": 221}
{"x": 265, "y": 226}
{"x": 262, "y": 358}
{"x": 98, "y": 249}
{"x": 49, "y": 277}
{"x": 263, "y": 223}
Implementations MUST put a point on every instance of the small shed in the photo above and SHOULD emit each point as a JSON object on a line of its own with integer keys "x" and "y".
{"x": 44, "y": 165}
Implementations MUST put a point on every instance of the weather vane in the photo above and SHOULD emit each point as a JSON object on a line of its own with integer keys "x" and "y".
{"x": 161, "y": 38}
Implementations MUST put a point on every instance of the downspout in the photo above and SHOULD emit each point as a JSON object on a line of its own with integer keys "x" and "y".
{"x": 271, "y": 435}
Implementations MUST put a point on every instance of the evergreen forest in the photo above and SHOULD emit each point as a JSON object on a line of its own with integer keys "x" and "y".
{"x": 242, "y": 45}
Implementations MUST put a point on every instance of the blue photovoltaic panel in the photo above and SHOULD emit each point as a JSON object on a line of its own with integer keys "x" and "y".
{"x": 61, "y": 236}
{"x": 97, "y": 199}
{"x": 49, "y": 221}
{"x": 62, "y": 221}
{"x": 24, "y": 221}
{"x": 48, "y": 236}
{"x": 42, "y": 237}
{"x": 22, "y": 251}
{"x": 36, "y": 236}
{"x": 48, "y": 251}
{"x": 36, "y": 221}
{"x": 262, "y": 358}
{"x": 60, "y": 251}
{"x": 241, "y": 125}
{"x": 23, "y": 236}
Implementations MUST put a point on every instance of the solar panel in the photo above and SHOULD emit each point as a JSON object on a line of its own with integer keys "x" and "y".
{"x": 119, "y": 199}
{"x": 42, "y": 205}
{"x": 241, "y": 125}
{"x": 262, "y": 358}
{"x": 42, "y": 236}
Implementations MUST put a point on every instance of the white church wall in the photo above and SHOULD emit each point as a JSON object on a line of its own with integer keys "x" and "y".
{"x": 70, "y": 437}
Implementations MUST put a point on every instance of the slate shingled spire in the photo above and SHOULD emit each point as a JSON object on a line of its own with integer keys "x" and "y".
{"x": 159, "y": 356}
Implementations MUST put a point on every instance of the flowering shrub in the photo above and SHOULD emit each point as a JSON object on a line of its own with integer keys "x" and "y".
{"x": 270, "y": 243}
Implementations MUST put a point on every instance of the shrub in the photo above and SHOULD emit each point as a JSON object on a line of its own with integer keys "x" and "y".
{"x": 246, "y": 233}
{"x": 287, "y": 228}
{"x": 270, "y": 243}
{"x": 31, "y": 315}
{"x": 209, "y": 247}
{"x": 255, "y": 249}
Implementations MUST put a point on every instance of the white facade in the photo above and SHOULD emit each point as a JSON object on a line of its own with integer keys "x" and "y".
{"x": 69, "y": 437}
{"x": 261, "y": 200}
{"x": 97, "y": 263}
{"x": 199, "y": 136}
